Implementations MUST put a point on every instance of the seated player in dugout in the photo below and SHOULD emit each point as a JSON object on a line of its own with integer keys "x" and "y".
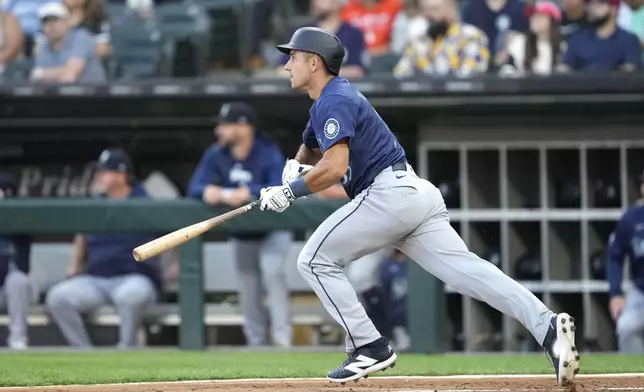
{"x": 232, "y": 172}
{"x": 394, "y": 293}
{"x": 15, "y": 290}
{"x": 102, "y": 270}
{"x": 627, "y": 309}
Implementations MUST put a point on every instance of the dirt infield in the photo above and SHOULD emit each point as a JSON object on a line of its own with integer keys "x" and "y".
{"x": 379, "y": 384}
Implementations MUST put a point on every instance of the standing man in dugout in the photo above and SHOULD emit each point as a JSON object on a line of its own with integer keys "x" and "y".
{"x": 233, "y": 171}
{"x": 102, "y": 269}
{"x": 627, "y": 308}
{"x": 15, "y": 290}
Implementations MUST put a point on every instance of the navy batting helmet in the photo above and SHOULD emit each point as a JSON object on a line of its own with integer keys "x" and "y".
{"x": 318, "y": 41}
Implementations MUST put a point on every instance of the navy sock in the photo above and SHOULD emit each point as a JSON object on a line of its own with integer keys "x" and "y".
{"x": 380, "y": 343}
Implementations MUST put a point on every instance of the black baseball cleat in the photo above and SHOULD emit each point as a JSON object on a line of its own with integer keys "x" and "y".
{"x": 365, "y": 360}
{"x": 560, "y": 346}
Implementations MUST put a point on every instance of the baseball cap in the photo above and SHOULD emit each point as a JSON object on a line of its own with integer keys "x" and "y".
{"x": 115, "y": 159}
{"x": 8, "y": 185}
{"x": 237, "y": 112}
{"x": 546, "y": 7}
{"x": 53, "y": 10}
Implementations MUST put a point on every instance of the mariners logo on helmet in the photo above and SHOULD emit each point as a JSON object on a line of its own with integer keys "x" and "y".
{"x": 331, "y": 128}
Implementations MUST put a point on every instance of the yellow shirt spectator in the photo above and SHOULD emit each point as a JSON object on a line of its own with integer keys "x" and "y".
{"x": 462, "y": 51}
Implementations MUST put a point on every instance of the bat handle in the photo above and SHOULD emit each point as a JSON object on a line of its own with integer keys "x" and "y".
{"x": 253, "y": 205}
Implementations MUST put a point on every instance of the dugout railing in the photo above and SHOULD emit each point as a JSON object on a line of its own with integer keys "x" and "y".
{"x": 67, "y": 216}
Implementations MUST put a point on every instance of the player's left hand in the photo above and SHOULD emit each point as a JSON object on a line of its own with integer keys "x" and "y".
{"x": 293, "y": 170}
{"x": 276, "y": 198}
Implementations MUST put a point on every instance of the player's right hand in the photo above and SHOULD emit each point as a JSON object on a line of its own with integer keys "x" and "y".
{"x": 293, "y": 170}
{"x": 616, "y": 305}
{"x": 276, "y": 198}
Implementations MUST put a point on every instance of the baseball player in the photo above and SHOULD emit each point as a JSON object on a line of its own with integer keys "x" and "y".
{"x": 15, "y": 289}
{"x": 232, "y": 172}
{"x": 102, "y": 270}
{"x": 347, "y": 141}
{"x": 628, "y": 310}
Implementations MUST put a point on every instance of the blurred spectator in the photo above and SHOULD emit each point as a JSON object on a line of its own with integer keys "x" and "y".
{"x": 15, "y": 290}
{"x": 91, "y": 15}
{"x": 605, "y": 46}
{"x": 11, "y": 39}
{"x": 375, "y": 18}
{"x": 637, "y": 19}
{"x": 393, "y": 284}
{"x": 102, "y": 270}
{"x": 233, "y": 172}
{"x": 409, "y": 25}
{"x": 574, "y": 17}
{"x": 624, "y": 15}
{"x": 26, "y": 11}
{"x": 261, "y": 29}
{"x": 540, "y": 49}
{"x": 497, "y": 18}
{"x": 144, "y": 9}
{"x": 68, "y": 55}
{"x": 326, "y": 15}
{"x": 450, "y": 47}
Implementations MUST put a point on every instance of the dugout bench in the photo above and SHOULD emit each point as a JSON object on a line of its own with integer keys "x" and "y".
{"x": 49, "y": 263}
{"x": 312, "y": 318}
{"x": 58, "y": 216}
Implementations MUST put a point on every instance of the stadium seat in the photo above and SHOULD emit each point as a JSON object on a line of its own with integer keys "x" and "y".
{"x": 383, "y": 64}
{"x": 115, "y": 11}
{"x": 138, "y": 50}
{"x": 224, "y": 43}
{"x": 187, "y": 27}
{"x": 17, "y": 71}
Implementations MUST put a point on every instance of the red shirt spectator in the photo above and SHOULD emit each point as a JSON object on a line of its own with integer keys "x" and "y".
{"x": 375, "y": 18}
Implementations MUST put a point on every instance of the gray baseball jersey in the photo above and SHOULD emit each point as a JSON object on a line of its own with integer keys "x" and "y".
{"x": 392, "y": 206}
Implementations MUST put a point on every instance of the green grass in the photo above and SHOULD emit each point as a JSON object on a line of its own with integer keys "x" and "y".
{"x": 37, "y": 368}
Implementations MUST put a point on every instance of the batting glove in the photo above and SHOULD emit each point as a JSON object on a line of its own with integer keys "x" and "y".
{"x": 277, "y": 198}
{"x": 293, "y": 170}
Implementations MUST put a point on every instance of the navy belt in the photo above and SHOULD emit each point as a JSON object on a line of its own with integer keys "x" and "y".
{"x": 401, "y": 166}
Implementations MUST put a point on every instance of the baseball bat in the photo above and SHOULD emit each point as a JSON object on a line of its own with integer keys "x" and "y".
{"x": 178, "y": 237}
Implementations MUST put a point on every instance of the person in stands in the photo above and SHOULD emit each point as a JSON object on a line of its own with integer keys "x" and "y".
{"x": 326, "y": 15}
{"x": 604, "y": 46}
{"x": 539, "y": 51}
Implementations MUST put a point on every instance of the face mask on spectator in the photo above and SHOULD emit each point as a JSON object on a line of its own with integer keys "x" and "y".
{"x": 600, "y": 21}
{"x": 437, "y": 29}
